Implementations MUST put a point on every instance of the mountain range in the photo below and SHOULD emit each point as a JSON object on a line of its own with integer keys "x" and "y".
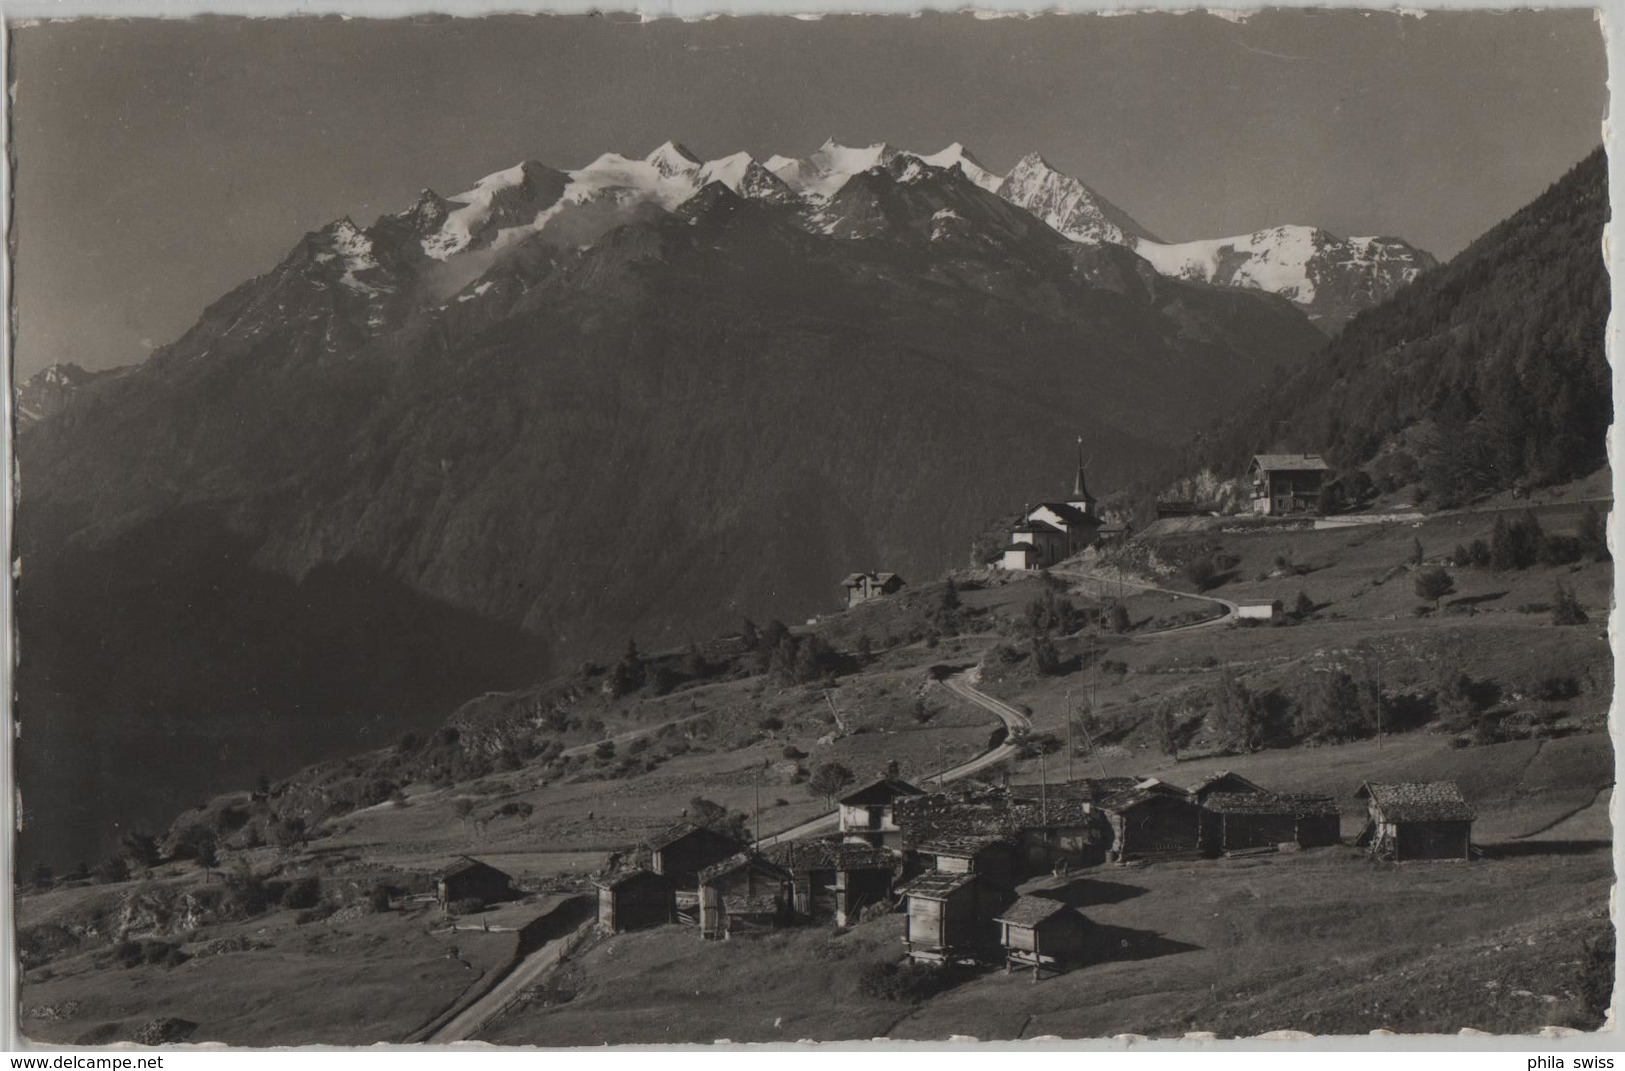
{"x": 496, "y": 433}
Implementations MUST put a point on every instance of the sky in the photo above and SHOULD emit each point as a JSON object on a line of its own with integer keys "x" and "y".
{"x": 159, "y": 163}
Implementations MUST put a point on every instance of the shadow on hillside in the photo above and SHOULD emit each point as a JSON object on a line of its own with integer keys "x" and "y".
{"x": 1086, "y": 892}
{"x": 1519, "y": 849}
{"x": 1108, "y": 944}
{"x": 1474, "y": 600}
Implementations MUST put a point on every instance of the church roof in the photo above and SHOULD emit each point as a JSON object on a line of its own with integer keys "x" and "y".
{"x": 1068, "y": 513}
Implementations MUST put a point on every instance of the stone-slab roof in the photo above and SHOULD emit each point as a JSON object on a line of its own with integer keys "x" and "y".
{"x": 1418, "y": 801}
{"x": 1031, "y": 910}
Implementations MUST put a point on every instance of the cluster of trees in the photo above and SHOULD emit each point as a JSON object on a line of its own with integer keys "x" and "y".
{"x": 1328, "y": 705}
{"x": 1521, "y": 542}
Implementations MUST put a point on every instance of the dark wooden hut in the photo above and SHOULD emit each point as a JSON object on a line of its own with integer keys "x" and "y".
{"x": 1153, "y": 819}
{"x": 745, "y": 892}
{"x": 680, "y": 852}
{"x": 1416, "y": 820}
{"x": 470, "y": 879}
{"x": 950, "y": 916}
{"x": 835, "y": 880}
{"x": 1039, "y": 933}
{"x": 633, "y": 900}
{"x": 995, "y": 858}
{"x": 1239, "y": 821}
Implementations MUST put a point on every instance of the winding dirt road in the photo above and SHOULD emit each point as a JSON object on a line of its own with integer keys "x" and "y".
{"x": 960, "y": 685}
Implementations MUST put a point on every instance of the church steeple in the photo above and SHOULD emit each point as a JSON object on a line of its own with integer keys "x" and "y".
{"x": 1081, "y": 498}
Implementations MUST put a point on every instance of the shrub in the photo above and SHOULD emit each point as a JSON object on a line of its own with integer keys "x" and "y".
{"x": 1566, "y": 608}
{"x": 1304, "y": 605}
{"x": 904, "y": 982}
{"x": 303, "y": 892}
{"x": 1045, "y": 658}
{"x": 1556, "y": 688}
{"x": 1201, "y": 573}
{"x": 793, "y": 752}
{"x": 604, "y": 751}
{"x": 1117, "y": 618}
{"x": 828, "y": 780}
{"x": 1434, "y": 584}
{"x": 378, "y": 898}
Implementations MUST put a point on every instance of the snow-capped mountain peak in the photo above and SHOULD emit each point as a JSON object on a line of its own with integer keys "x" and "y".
{"x": 1068, "y": 205}
{"x": 1326, "y": 275}
{"x": 823, "y": 173}
{"x": 956, "y": 155}
{"x": 1329, "y": 277}
{"x": 672, "y": 159}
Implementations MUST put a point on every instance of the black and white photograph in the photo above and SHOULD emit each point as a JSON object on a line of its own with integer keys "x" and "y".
{"x": 574, "y": 530}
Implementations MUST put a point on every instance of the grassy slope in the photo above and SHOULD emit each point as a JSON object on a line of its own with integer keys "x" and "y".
{"x": 1207, "y": 945}
{"x": 373, "y": 978}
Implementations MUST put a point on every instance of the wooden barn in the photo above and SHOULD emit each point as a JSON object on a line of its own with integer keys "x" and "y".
{"x": 1221, "y": 781}
{"x": 1287, "y": 483}
{"x": 470, "y": 879}
{"x": 868, "y": 812}
{"x": 682, "y": 851}
{"x": 994, "y": 858}
{"x": 633, "y": 900}
{"x": 835, "y": 880}
{"x": 1238, "y": 821}
{"x": 1416, "y": 820}
{"x": 1060, "y": 826}
{"x": 950, "y": 916}
{"x": 745, "y": 892}
{"x": 1039, "y": 934}
{"x": 1153, "y": 819}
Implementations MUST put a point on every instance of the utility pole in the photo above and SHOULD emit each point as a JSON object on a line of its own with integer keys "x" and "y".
{"x": 1069, "y": 746}
{"x": 1043, "y": 792}
{"x": 758, "y": 805}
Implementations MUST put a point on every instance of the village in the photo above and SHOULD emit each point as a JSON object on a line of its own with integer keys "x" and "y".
{"x": 957, "y": 863}
{"x": 965, "y": 860}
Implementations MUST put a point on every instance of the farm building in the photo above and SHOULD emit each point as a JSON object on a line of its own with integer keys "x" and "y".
{"x": 1153, "y": 819}
{"x": 680, "y": 852}
{"x": 950, "y": 916}
{"x": 995, "y": 858}
{"x": 1260, "y": 610}
{"x": 1287, "y": 483}
{"x": 470, "y": 879}
{"x": 835, "y": 880}
{"x": 633, "y": 900}
{"x": 969, "y": 811}
{"x": 1222, "y": 781}
{"x": 1416, "y": 820}
{"x": 745, "y": 892}
{"x": 868, "y": 812}
{"x": 1039, "y": 933}
{"x": 1237, "y": 821}
{"x": 861, "y": 587}
{"x": 1058, "y": 831}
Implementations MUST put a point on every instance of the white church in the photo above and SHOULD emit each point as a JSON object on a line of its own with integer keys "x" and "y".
{"x": 1052, "y": 531}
